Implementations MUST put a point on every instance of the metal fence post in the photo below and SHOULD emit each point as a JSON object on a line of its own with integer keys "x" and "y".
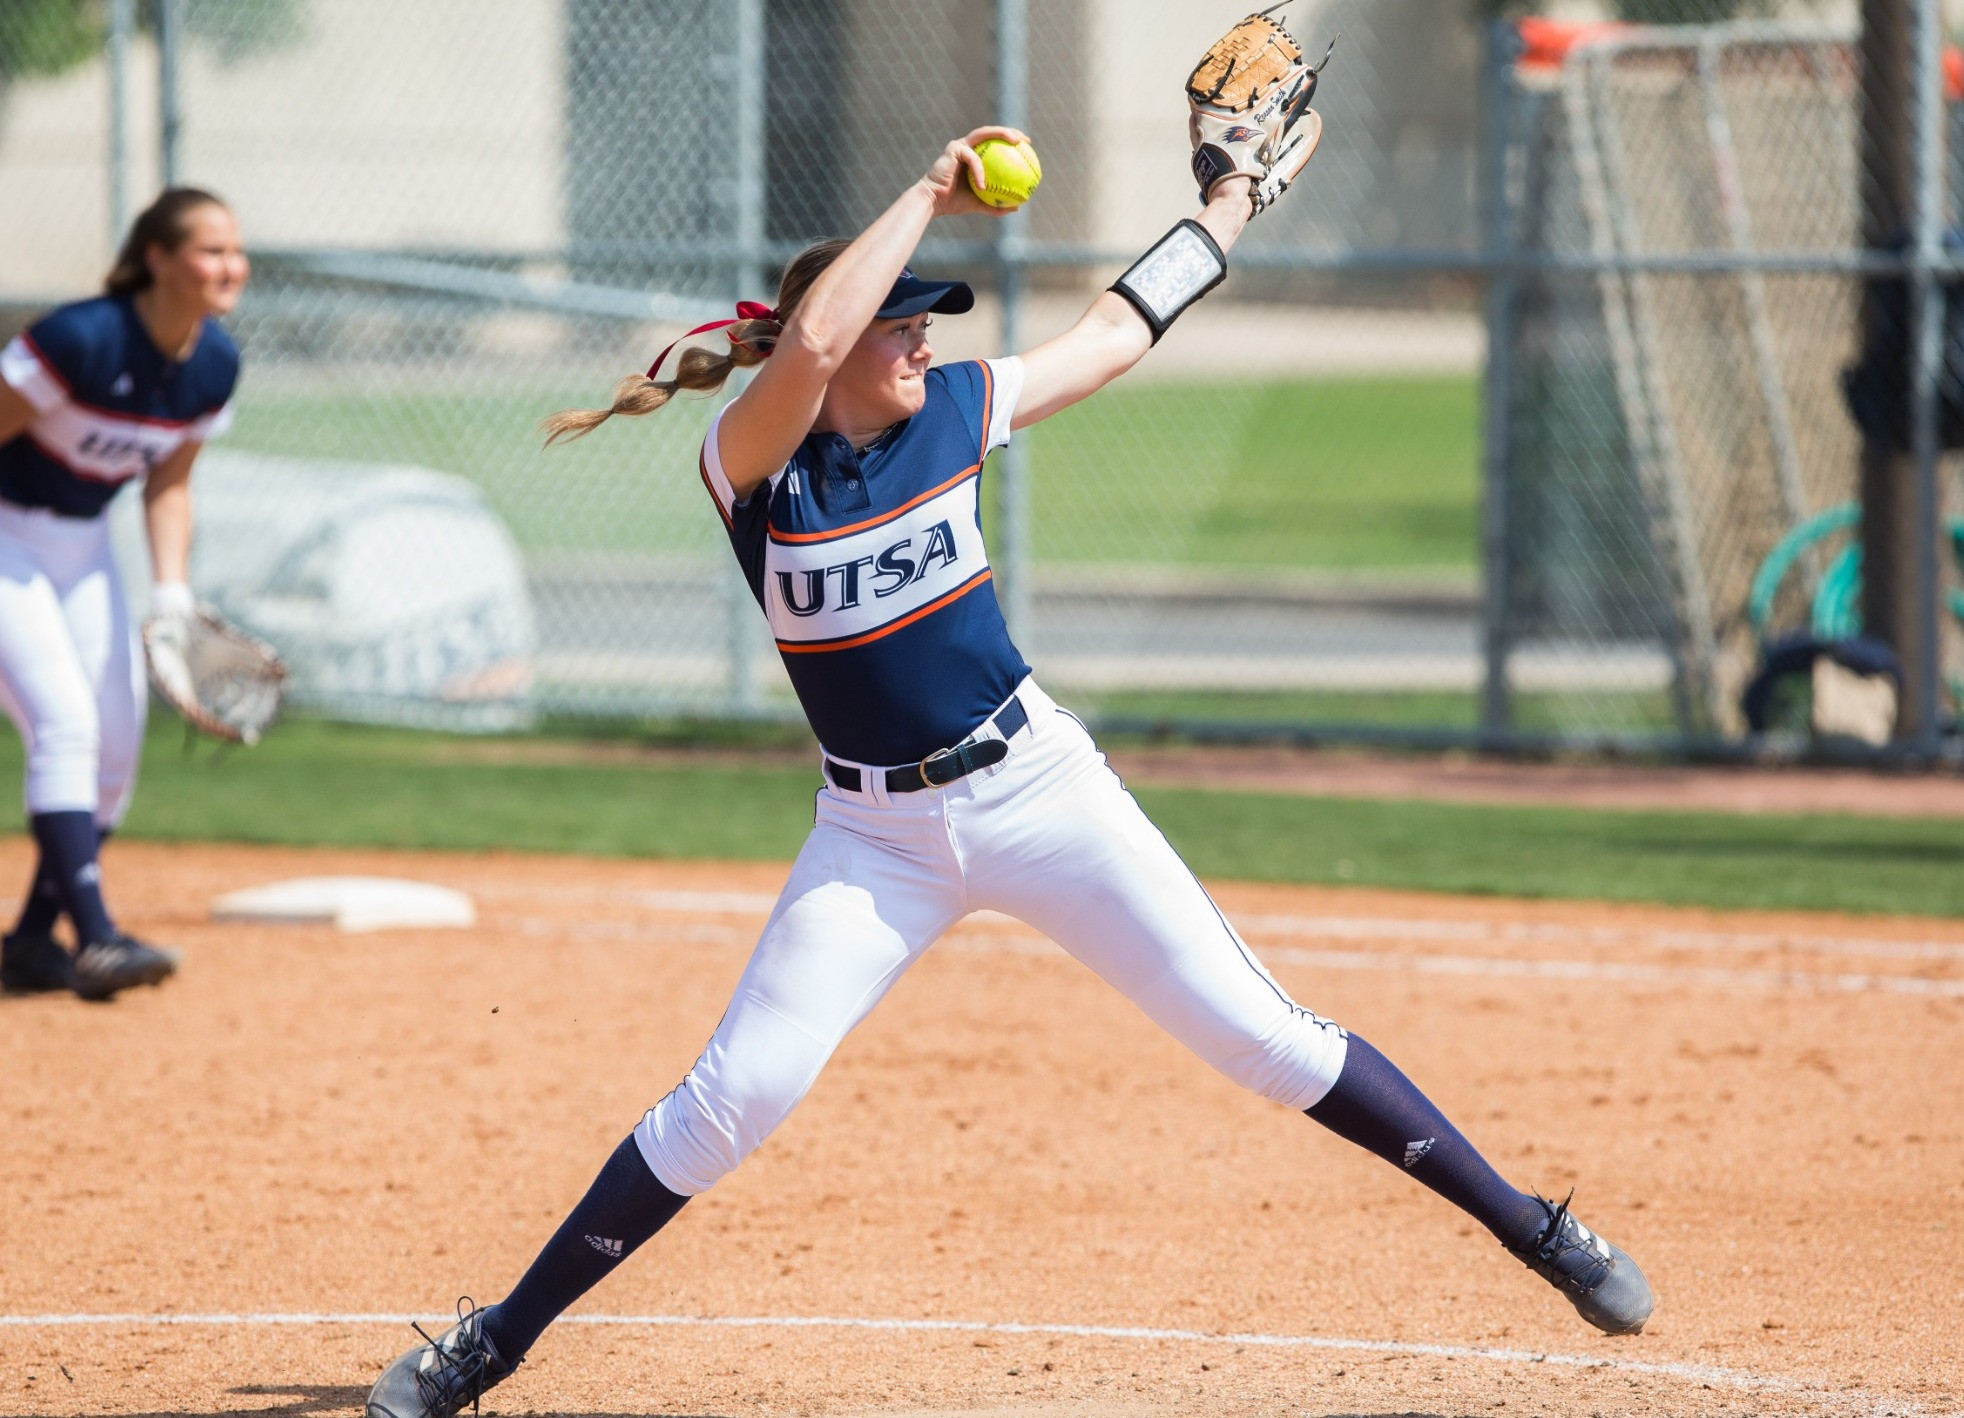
{"x": 1899, "y": 39}
{"x": 749, "y": 276}
{"x": 122, "y": 21}
{"x": 170, "y": 113}
{"x": 1013, "y": 484}
{"x": 1497, "y": 453}
{"x": 1927, "y": 165}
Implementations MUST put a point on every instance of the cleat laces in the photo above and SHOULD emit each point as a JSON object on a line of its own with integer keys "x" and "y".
{"x": 460, "y": 1375}
{"x": 1568, "y": 1253}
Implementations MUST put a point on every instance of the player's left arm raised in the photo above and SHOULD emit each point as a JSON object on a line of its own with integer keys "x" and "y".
{"x": 1112, "y": 336}
{"x": 1252, "y": 131}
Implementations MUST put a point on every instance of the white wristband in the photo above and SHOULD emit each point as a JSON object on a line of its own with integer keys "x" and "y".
{"x": 171, "y": 598}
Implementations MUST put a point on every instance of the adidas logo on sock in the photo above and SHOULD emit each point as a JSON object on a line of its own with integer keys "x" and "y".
{"x": 1415, "y": 1151}
{"x": 606, "y": 1246}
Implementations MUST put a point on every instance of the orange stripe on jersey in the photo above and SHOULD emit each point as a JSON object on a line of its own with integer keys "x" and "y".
{"x": 988, "y": 405}
{"x": 786, "y": 538}
{"x": 792, "y": 648}
{"x": 702, "y": 466}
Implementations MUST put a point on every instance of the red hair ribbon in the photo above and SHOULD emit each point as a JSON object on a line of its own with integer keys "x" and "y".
{"x": 745, "y": 310}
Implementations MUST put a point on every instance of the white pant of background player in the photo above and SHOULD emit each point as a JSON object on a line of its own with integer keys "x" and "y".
{"x": 71, "y": 671}
{"x": 1049, "y": 836}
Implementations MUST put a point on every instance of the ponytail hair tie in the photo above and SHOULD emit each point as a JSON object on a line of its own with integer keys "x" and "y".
{"x": 745, "y": 310}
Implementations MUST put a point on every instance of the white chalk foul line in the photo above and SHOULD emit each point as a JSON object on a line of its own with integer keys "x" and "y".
{"x": 1427, "y": 928}
{"x": 1614, "y": 972}
{"x": 751, "y": 903}
{"x": 1694, "y": 1373}
{"x": 1027, "y": 942}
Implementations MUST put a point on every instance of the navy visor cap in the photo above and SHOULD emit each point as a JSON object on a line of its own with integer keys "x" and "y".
{"x": 911, "y": 295}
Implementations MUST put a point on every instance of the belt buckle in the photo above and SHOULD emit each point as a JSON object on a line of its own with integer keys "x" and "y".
{"x": 940, "y": 755}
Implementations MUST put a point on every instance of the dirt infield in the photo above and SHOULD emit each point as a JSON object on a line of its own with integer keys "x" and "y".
{"x": 1468, "y": 778}
{"x": 1009, "y": 1194}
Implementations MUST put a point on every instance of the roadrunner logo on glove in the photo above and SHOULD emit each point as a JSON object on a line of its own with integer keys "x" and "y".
{"x": 1249, "y": 98}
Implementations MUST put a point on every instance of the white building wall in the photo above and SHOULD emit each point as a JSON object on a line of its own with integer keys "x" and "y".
{"x": 436, "y": 123}
{"x": 1139, "y": 112}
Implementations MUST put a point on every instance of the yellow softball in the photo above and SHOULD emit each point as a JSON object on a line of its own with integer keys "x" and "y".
{"x": 1011, "y": 169}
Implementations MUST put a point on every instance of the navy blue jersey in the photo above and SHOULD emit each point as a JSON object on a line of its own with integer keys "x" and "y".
{"x": 108, "y": 404}
{"x": 870, "y": 567}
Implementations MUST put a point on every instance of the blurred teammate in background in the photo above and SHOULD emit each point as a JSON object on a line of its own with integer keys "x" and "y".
{"x": 127, "y": 386}
{"x": 846, "y": 475}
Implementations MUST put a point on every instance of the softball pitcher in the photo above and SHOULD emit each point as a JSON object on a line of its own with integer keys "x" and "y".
{"x": 847, "y": 476}
{"x": 123, "y": 387}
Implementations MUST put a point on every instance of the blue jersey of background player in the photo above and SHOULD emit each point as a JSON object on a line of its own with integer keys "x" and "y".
{"x": 110, "y": 406}
{"x": 123, "y": 388}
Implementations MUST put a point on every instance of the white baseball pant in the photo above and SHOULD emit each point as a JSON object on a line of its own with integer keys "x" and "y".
{"x": 71, "y": 669}
{"x": 1049, "y": 836}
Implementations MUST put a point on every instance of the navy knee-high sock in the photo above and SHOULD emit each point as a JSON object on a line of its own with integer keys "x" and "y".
{"x": 42, "y": 908}
{"x": 68, "y": 848}
{"x": 1382, "y": 1111}
{"x": 623, "y": 1208}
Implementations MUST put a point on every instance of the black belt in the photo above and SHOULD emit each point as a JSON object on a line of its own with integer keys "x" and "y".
{"x": 939, "y": 769}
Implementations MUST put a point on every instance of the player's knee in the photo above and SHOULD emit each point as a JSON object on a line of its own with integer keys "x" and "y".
{"x": 74, "y": 736}
{"x": 701, "y": 1131}
{"x": 1295, "y": 1063}
{"x": 62, "y": 769}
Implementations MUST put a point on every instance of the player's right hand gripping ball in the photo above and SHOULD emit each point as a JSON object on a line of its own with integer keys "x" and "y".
{"x": 1012, "y": 172}
{"x": 1251, "y": 117}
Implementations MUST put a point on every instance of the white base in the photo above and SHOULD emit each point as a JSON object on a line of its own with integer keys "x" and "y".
{"x": 353, "y": 903}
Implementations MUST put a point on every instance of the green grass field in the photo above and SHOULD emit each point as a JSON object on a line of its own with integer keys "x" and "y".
{"x": 333, "y": 784}
{"x": 1323, "y": 474}
{"x": 1328, "y": 474}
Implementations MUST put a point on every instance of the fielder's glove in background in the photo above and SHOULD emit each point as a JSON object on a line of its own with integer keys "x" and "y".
{"x": 221, "y": 680}
{"x": 1251, "y": 117}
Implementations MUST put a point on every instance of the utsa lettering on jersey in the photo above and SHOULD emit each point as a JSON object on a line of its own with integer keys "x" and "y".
{"x": 847, "y": 475}
{"x": 125, "y": 387}
{"x": 870, "y": 567}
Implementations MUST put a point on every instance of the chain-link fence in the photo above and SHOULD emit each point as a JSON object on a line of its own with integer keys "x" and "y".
{"x": 1707, "y": 346}
{"x": 1500, "y": 420}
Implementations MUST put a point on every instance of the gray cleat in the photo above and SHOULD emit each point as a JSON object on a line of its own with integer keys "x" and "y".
{"x": 440, "y": 1377}
{"x": 1602, "y": 1283}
